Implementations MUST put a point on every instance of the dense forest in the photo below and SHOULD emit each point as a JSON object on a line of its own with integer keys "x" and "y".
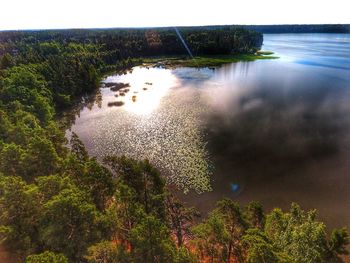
{"x": 57, "y": 204}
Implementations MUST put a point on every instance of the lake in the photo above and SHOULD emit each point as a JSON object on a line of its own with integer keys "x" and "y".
{"x": 274, "y": 131}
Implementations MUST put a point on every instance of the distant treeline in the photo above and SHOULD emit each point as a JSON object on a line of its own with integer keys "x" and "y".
{"x": 144, "y": 42}
{"x": 324, "y": 28}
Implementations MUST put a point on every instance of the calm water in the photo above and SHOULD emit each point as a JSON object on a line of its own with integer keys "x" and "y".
{"x": 276, "y": 131}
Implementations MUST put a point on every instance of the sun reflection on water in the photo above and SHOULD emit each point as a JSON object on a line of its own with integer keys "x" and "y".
{"x": 147, "y": 87}
{"x": 152, "y": 114}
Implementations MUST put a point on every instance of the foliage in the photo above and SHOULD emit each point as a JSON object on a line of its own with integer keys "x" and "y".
{"x": 255, "y": 215}
{"x": 219, "y": 237}
{"x": 6, "y": 61}
{"x": 144, "y": 179}
{"x": 298, "y": 233}
{"x": 295, "y": 236}
{"x": 260, "y": 249}
{"x": 339, "y": 241}
{"x": 47, "y": 257}
{"x": 107, "y": 251}
{"x": 151, "y": 241}
{"x": 181, "y": 219}
{"x": 70, "y": 222}
{"x": 20, "y": 215}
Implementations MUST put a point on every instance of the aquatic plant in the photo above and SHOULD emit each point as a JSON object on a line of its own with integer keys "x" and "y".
{"x": 170, "y": 138}
{"x": 115, "y": 103}
{"x": 117, "y": 86}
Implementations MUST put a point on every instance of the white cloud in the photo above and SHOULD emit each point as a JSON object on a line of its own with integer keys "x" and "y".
{"x": 26, "y": 14}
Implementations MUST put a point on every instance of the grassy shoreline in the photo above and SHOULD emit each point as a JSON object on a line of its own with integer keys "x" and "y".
{"x": 205, "y": 61}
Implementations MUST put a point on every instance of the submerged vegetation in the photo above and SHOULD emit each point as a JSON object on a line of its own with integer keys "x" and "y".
{"x": 116, "y": 86}
{"x": 57, "y": 204}
{"x": 115, "y": 103}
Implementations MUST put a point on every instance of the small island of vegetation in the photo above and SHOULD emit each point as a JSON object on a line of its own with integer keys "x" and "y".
{"x": 205, "y": 61}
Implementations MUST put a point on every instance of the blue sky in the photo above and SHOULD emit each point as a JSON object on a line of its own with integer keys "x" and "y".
{"x": 39, "y": 14}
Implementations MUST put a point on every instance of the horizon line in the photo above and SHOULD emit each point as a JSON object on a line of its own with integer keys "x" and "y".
{"x": 160, "y": 27}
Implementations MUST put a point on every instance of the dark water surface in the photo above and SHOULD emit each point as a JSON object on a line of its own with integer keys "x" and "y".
{"x": 276, "y": 131}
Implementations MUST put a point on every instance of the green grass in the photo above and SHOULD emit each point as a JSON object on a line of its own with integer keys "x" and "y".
{"x": 205, "y": 61}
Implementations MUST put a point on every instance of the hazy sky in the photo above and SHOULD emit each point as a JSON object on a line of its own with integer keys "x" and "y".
{"x": 35, "y": 14}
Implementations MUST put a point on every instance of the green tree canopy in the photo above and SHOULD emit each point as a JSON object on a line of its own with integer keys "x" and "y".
{"x": 47, "y": 257}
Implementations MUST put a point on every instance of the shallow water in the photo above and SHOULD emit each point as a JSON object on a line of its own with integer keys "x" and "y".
{"x": 276, "y": 131}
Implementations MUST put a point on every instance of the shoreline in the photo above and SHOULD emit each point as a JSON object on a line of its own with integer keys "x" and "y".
{"x": 204, "y": 61}
{"x": 167, "y": 62}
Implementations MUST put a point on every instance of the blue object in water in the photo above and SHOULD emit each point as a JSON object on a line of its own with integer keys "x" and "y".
{"x": 234, "y": 187}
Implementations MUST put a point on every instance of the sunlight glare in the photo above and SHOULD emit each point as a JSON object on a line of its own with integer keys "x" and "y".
{"x": 149, "y": 86}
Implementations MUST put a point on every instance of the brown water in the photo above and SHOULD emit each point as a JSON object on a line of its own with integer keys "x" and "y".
{"x": 276, "y": 131}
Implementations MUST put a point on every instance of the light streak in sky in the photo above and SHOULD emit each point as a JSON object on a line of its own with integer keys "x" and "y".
{"x": 183, "y": 42}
